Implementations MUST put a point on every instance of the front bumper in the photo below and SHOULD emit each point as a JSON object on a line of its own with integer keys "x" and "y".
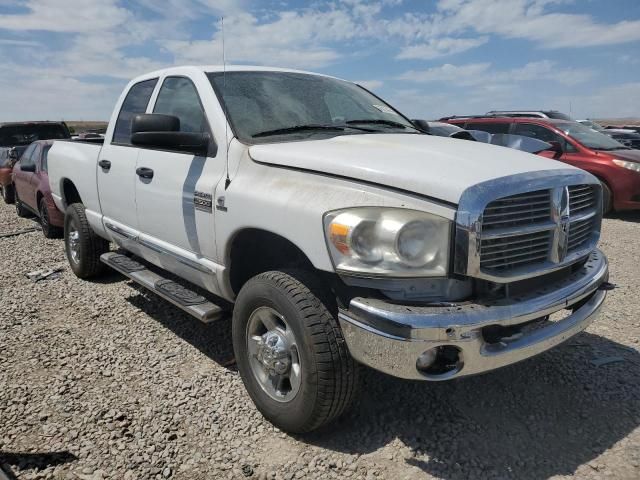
{"x": 391, "y": 337}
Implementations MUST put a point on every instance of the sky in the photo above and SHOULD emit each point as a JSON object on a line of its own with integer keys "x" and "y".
{"x": 70, "y": 60}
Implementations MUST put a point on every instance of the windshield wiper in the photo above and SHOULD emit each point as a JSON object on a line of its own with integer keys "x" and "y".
{"x": 297, "y": 128}
{"x": 310, "y": 127}
{"x": 380, "y": 121}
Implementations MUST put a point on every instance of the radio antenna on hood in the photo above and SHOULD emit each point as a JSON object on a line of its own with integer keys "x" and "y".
{"x": 224, "y": 105}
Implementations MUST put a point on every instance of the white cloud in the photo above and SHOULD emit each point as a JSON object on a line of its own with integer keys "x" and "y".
{"x": 483, "y": 74}
{"x": 72, "y": 16}
{"x": 440, "y": 47}
{"x": 527, "y": 19}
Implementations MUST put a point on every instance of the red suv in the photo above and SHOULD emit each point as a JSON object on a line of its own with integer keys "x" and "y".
{"x": 32, "y": 192}
{"x": 617, "y": 166}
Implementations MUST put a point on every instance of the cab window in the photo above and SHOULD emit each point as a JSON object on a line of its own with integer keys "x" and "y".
{"x": 179, "y": 97}
{"x": 134, "y": 103}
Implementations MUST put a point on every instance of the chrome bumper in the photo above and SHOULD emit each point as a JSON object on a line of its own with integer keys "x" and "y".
{"x": 391, "y": 337}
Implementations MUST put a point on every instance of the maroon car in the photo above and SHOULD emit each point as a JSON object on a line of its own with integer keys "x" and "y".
{"x": 32, "y": 192}
{"x": 14, "y": 138}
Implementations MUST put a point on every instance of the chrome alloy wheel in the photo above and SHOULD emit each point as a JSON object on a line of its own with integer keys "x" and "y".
{"x": 74, "y": 243}
{"x": 273, "y": 354}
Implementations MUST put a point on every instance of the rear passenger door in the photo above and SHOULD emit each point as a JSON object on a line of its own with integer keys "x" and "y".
{"x": 116, "y": 169}
{"x": 171, "y": 222}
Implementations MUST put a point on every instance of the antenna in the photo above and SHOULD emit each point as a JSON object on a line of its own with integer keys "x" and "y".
{"x": 224, "y": 105}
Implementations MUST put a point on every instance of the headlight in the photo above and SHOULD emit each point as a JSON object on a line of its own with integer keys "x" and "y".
{"x": 635, "y": 166}
{"x": 396, "y": 242}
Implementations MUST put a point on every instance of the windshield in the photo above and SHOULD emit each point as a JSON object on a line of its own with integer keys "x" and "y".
{"x": 14, "y": 135}
{"x": 595, "y": 126}
{"x": 589, "y": 137}
{"x": 276, "y": 106}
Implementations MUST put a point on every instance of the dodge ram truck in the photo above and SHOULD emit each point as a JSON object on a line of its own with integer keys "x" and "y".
{"x": 337, "y": 232}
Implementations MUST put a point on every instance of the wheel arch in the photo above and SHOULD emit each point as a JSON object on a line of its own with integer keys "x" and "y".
{"x": 252, "y": 251}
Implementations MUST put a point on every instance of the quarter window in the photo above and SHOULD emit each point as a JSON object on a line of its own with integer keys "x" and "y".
{"x": 178, "y": 97}
{"x": 134, "y": 103}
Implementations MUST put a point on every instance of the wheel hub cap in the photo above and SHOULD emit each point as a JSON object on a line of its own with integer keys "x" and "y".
{"x": 74, "y": 244}
{"x": 273, "y": 354}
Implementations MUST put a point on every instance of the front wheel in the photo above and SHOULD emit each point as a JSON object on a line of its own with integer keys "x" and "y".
{"x": 8, "y": 194}
{"x": 82, "y": 246}
{"x": 290, "y": 351}
{"x": 21, "y": 210}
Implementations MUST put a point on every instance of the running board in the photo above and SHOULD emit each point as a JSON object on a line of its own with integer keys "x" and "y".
{"x": 188, "y": 300}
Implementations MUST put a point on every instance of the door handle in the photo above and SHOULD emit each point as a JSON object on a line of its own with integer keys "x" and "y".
{"x": 144, "y": 172}
{"x": 104, "y": 164}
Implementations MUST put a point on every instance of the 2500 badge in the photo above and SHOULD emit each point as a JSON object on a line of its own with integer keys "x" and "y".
{"x": 203, "y": 201}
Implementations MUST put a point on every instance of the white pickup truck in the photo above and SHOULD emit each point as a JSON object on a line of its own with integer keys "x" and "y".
{"x": 340, "y": 232}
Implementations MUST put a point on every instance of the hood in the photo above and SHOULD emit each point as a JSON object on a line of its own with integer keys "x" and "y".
{"x": 437, "y": 167}
{"x": 630, "y": 155}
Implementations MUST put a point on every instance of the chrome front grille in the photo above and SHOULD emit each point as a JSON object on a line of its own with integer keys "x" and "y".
{"x": 526, "y": 225}
{"x": 518, "y": 230}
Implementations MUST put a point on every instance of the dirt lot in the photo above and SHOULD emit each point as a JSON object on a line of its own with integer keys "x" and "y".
{"x": 100, "y": 380}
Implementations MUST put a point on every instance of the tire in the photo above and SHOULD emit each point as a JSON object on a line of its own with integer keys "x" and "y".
{"x": 8, "y": 194}
{"x": 82, "y": 246}
{"x": 48, "y": 230}
{"x": 328, "y": 375}
{"x": 607, "y": 198}
{"x": 21, "y": 210}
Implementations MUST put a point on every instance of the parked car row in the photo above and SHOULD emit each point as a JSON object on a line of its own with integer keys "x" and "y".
{"x": 616, "y": 164}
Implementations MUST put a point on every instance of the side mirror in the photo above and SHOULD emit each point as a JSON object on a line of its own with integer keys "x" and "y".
{"x": 28, "y": 168}
{"x": 556, "y": 147}
{"x": 463, "y": 135}
{"x": 155, "y": 130}
{"x": 421, "y": 125}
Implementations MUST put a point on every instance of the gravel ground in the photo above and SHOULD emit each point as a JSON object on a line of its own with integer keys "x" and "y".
{"x": 101, "y": 380}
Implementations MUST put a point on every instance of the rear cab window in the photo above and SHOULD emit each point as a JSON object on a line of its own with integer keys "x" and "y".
{"x": 134, "y": 103}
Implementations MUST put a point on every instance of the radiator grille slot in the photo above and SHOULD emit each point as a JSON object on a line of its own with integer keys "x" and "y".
{"x": 515, "y": 251}
{"x": 517, "y": 210}
{"x": 580, "y": 232}
{"x": 582, "y": 199}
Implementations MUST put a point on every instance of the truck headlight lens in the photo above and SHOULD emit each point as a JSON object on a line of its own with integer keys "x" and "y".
{"x": 635, "y": 166}
{"x": 376, "y": 241}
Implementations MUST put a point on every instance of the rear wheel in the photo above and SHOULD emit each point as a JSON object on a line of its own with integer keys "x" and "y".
{"x": 82, "y": 246}
{"x": 48, "y": 230}
{"x": 290, "y": 351}
{"x": 607, "y": 198}
{"x": 8, "y": 194}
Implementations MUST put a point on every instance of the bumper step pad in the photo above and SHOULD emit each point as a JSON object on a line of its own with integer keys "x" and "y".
{"x": 182, "y": 297}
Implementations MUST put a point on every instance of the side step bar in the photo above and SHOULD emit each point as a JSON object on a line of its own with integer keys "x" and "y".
{"x": 188, "y": 300}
